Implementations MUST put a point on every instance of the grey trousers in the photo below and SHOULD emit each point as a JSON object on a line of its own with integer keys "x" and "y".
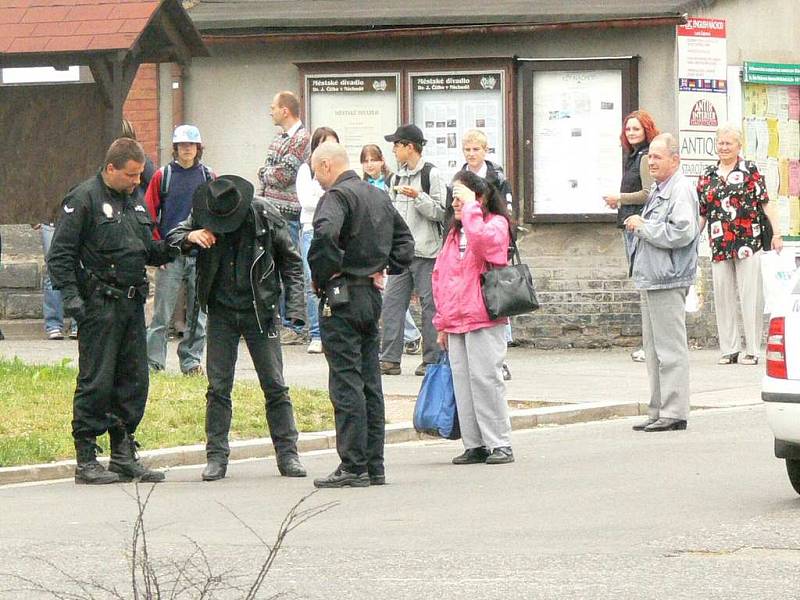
{"x": 664, "y": 340}
{"x": 395, "y": 304}
{"x": 742, "y": 277}
{"x": 476, "y": 359}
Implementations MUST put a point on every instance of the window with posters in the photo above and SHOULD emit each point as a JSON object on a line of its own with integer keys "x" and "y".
{"x": 771, "y": 126}
{"x": 361, "y": 108}
{"x": 447, "y": 104}
{"x": 572, "y": 115}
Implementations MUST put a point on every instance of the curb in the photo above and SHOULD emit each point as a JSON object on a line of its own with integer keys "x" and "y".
{"x": 396, "y": 433}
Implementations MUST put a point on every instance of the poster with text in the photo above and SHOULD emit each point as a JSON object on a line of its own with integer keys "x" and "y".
{"x": 362, "y": 109}
{"x": 577, "y": 157}
{"x": 445, "y": 105}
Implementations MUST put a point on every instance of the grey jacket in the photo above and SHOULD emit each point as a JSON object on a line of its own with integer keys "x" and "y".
{"x": 665, "y": 248}
{"x": 424, "y": 214}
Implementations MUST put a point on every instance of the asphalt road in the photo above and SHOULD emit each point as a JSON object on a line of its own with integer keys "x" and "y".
{"x": 588, "y": 511}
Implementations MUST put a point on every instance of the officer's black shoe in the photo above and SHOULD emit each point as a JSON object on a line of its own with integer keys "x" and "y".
{"x": 88, "y": 471}
{"x": 341, "y": 478}
{"x": 214, "y": 471}
{"x": 125, "y": 460}
{"x": 377, "y": 479}
{"x": 472, "y": 456}
{"x": 291, "y": 467}
{"x": 2, "y": 337}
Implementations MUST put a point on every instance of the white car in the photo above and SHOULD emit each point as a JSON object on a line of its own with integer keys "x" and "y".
{"x": 780, "y": 388}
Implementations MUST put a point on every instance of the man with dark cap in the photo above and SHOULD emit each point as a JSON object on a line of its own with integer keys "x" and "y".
{"x": 245, "y": 253}
{"x": 418, "y": 192}
{"x": 97, "y": 259}
{"x": 357, "y": 234}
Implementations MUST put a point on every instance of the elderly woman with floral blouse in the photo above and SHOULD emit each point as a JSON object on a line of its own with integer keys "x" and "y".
{"x": 734, "y": 204}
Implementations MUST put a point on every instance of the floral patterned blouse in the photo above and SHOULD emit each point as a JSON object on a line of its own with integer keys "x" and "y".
{"x": 732, "y": 208}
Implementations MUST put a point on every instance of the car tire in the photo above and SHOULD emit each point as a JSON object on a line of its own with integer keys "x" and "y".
{"x": 793, "y": 469}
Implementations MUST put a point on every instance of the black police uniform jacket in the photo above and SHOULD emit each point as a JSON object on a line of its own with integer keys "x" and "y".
{"x": 275, "y": 260}
{"x": 104, "y": 233}
{"x": 357, "y": 231}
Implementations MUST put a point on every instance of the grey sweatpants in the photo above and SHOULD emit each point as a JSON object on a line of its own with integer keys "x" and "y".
{"x": 476, "y": 359}
{"x": 666, "y": 351}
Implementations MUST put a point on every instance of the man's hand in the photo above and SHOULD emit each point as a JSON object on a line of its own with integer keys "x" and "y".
{"x": 777, "y": 243}
{"x": 407, "y": 190}
{"x": 441, "y": 339}
{"x": 611, "y": 201}
{"x": 75, "y": 309}
{"x": 633, "y": 223}
{"x": 378, "y": 280}
{"x": 202, "y": 237}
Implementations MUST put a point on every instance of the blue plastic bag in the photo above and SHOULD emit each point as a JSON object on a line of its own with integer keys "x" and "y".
{"x": 435, "y": 411}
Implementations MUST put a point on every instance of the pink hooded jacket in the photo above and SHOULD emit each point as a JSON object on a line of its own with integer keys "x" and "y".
{"x": 456, "y": 280}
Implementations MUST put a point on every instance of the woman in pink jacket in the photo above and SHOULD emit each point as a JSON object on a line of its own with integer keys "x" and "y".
{"x": 477, "y": 238}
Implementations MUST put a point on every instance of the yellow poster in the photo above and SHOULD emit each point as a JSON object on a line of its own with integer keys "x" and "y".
{"x": 774, "y": 141}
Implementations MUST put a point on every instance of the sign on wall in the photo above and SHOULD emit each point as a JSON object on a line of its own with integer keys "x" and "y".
{"x": 576, "y": 148}
{"x": 702, "y": 91}
{"x": 362, "y": 109}
{"x": 446, "y": 104}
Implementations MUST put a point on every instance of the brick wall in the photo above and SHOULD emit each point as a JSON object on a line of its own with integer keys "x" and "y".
{"x": 141, "y": 109}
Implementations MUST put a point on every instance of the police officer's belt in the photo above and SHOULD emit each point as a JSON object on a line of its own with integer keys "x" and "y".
{"x": 120, "y": 292}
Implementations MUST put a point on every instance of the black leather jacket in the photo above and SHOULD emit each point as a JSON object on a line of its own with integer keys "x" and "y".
{"x": 275, "y": 260}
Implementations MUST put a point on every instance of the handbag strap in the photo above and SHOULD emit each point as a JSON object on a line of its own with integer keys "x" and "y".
{"x": 443, "y": 359}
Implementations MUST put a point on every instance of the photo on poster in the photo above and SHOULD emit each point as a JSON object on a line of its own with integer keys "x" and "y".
{"x": 429, "y": 124}
{"x": 441, "y": 141}
{"x": 440, "y": 124}
{"x": 452, "y": 123}
{"x": 480, "y": 123}
{"x": 451, "y": 140}
{"x": 452, "y": 164}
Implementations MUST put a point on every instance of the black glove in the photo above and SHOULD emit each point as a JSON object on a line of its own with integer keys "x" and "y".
{"x": 75, "y": 308}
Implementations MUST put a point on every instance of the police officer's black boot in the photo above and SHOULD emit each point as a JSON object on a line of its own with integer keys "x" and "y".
{"x": 88, "y": 471}
{"x": 125, "y": 461}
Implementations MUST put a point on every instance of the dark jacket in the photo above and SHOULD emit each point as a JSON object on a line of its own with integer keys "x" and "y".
{"x": 275, "y": 260}
{"x": 105, "y": 233}
{"x": 495, "y": 176}
{"x": 631, "y": 182}
{"x": 357, "y": 231}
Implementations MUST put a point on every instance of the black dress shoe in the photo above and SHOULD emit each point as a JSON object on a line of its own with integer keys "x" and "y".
{"x": 377, "y": 479}
{"x": 214, "y": 471}
{"x": 500, "y": 456}
{"x": 341, "y": 478}
{"x": 643, "y": 424}
{"x": 472, "y": 456}
{"x": 667, "y": 425}
{"x": 291, "y": 467}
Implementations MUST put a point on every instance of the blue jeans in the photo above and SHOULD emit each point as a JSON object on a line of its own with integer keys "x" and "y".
{"x": 312, "y": 302}
{"x": 52, "y": 303}
{"x": 410, "y": 331}
{"x": 294, "y": 233}
{"x": 168, "y": 283}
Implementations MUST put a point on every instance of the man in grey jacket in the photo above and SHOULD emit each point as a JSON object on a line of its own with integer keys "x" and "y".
{"x": 418, "y": 193}
{"x": 663, "y": 266}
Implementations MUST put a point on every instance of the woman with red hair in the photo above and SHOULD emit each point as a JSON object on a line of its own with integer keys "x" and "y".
{"x": 638, "y": 130}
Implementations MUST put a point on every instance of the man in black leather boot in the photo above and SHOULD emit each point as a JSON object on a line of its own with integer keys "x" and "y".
{"x": 101, "y": 245}
{"x": 125, "y": 461}
{"x": 357, "y": 234}
{"x": 245, "y": 257}
{"x": 88, "y": 471}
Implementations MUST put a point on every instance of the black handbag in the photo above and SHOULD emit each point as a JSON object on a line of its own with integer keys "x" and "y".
{"x": 766, "y": 231}
{"x": 509, "y": 291}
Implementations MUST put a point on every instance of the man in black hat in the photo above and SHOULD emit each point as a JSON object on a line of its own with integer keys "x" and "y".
{"x": 418, "y": 192}
{"x": 97, "y": 259}
{"x": 357, "y": 234}
{"x": 245, "y": 254}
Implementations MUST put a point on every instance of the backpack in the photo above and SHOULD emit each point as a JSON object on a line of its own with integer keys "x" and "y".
{"x": 166, "y": 177}
{"x": 425, "y": 173}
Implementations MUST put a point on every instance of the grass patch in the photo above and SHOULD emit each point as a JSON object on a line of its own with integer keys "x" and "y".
{"x": 36, "y": 409}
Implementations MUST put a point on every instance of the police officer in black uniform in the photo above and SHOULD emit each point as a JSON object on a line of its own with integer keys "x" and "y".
{"x": 101, "y": 245}
{"x": 357, "y": 234}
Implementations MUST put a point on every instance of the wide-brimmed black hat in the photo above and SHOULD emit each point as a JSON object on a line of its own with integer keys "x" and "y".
{"x": 406, "y": 133}
{"x": 221, "y": 205}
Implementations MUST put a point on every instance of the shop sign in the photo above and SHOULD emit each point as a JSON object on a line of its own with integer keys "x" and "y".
{"x": 349, "y": 85}
{"x": 771, "y": 73}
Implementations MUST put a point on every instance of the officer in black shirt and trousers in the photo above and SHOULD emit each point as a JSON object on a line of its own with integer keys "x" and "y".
{"x": 246, "y": 257}
{"x": 97, "y": 259}
{"x": 357, "y": 234}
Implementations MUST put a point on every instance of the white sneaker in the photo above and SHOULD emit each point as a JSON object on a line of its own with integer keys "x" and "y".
{"x": 55, "y": 334}
{"x": 315, "y": 347}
